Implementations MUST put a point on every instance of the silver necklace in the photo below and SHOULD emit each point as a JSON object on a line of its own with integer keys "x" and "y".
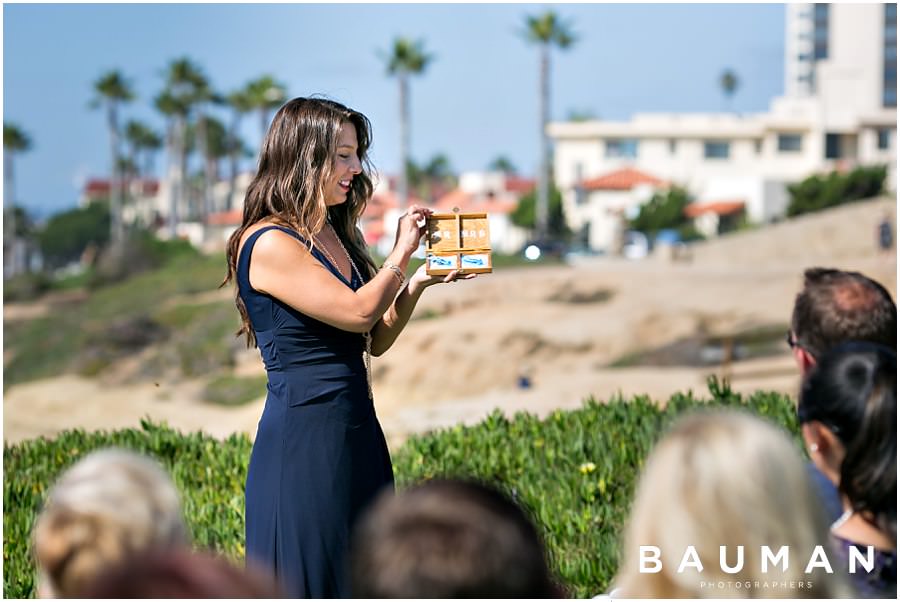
{"x": 368, "y": 334}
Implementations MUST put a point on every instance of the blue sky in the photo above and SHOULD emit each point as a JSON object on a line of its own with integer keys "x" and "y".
{"x": 477, "y": 100}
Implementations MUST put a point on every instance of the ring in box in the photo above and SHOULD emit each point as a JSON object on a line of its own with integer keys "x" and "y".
{"x": 457, "y": 241}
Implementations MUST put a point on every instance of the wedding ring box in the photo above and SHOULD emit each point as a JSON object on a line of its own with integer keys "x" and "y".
{"x": 457, "y": 241}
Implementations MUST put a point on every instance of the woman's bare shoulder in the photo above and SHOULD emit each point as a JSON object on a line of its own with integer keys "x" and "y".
{"x": 271, "y": 240}
{"x": 275, "y": 248}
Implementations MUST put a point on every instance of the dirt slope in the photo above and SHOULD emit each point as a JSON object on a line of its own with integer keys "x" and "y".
{"x": 461, "y": 355}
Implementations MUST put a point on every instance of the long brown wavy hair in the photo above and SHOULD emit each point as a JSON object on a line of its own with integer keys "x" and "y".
{"x": 295, "y": 163}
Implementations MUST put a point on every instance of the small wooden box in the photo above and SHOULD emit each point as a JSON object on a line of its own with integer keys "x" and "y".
{"x": 458, "y": 241}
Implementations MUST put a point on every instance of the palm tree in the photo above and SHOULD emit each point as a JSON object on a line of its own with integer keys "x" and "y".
{"x": 502, "y": 163}
{"x": 424, "y": 178}
{"x": 204, "y": 95}
{"x": 265, "y": 93}
{"x": 142, "y": 140}
{"x": 216, "y": 145}
{"x": 185, "y": 87}
{"x": 176, "y": 112}
{"x": 729, "y": 83}
{"x": 112, "y": 89}
{"x": 545, "y": 30}
{"x": 150, "y": 145}
{"x": 15, "y": 141}
{"x": 407, "y": 57}
{"x": 241, "y": 103}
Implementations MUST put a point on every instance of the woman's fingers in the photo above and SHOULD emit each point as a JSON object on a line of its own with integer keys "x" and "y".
{"x": 454, "y": 276}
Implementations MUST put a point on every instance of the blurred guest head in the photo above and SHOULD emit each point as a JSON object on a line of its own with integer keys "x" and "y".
{"x": 448, "y": 539}
{"x": 848, "y": 409}
{"x": 111, "y": 504}
{"x": 180, "y": 573}
{"x": 835, "y": 307}
{"x": 724, "y": 479}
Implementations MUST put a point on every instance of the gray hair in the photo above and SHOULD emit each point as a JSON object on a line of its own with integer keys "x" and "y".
{"x": 111, "y": 504}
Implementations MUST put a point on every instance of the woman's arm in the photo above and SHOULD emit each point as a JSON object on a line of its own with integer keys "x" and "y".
{"x": 391, "y": 325}
{"x": 282, "y": 267}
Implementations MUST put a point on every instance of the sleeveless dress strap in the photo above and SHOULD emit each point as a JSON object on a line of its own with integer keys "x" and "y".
{"x": 243, "y": 264}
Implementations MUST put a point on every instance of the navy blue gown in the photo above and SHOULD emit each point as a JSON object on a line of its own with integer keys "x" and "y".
{"x": 320, "y": 456}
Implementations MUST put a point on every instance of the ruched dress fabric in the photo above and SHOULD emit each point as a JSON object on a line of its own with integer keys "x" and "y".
{"x": 320, "y": 456}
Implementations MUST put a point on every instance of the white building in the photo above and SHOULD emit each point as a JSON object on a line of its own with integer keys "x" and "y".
{"x": 839, "y": 111}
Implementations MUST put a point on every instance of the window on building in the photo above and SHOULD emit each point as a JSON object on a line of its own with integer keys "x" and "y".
{"x": 716, "y": 149}
{"x": 820, "y": 31}
{"x": 579, "y": 187}
{"x": 757, "y": 146}
{"x": 673, "y": 146}
{"x": 619, "y": 148}
{"x": 832, "y": 146}
{"x": 889, "y": 82}
{"x": 820, "y": 11}
{"x": 884, "y": 139}
{"x": 790, "y": 143}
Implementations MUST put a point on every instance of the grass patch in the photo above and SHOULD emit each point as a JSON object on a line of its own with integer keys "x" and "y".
{"x": 579, "y": 511}
{"x": 59, "y": 342}
{"x": 706, "y": 350}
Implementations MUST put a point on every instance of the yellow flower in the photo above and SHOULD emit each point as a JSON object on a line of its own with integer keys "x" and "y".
{"x": 587, "y": 468}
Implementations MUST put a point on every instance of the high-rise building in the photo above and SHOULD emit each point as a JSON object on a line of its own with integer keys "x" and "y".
{"x": 839, "y": 110}
{"x": 830, "y": 46}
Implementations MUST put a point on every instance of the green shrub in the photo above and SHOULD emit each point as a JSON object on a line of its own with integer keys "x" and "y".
{"x": 26, "y": 287}
{"x": 67, "y": 234}
{"x": 209, "y": 473}
{"x": 574, "y": 471}
{"x": 198, "y": 339}
{"x": 665, "y": 210}
{"x": 139, "y": 252}
{"x": 819, "y": 192}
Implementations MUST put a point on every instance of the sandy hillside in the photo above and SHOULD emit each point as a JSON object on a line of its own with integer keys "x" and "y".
{"x": 461, "y": 355}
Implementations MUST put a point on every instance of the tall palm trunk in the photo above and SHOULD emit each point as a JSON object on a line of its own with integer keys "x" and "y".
{"x": 402, "y": 184}
{"x": 9, "y": 197}
{"x": 176, "y": 170}
{"x": 233, "y": 152}
{"x": 115, "y": 182}
{"x": 543, "y": 191}
{"x": 202, "y": 147}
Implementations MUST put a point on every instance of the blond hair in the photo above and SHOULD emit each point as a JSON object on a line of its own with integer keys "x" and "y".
{"x": 725, "y": 478}
{"x": 110, "y": 505}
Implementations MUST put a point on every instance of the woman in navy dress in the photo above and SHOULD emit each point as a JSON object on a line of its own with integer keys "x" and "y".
{"x": 313, "y": 301}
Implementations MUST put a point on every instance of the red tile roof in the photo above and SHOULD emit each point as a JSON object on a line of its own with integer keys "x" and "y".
{"x": 518, "y": 185}
{"x": 100, "y": 187}
{"x": 469, "y": 203}
{"x": 97, "y": 187}
{"x": 226, "y": 218}
{"x": 622, "y": 179}
{"x": 373, "y": 231}
{"x": 718, "y": 207}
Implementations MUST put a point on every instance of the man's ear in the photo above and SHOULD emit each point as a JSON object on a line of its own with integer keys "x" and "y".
{"x": 805, "y": 361}
{"x": 825, "y": 449}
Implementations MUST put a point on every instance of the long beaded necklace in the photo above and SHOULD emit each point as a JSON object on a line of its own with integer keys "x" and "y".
{"x": 368, "y": 334}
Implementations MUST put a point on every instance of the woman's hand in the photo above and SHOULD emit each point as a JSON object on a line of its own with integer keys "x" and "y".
{"x": 410, "y": 228}
{"x": 421, "y": 280}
